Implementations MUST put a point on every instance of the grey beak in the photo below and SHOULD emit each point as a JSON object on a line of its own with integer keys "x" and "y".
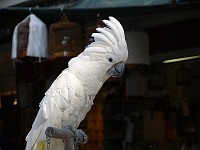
{"x": 117, "y": 70}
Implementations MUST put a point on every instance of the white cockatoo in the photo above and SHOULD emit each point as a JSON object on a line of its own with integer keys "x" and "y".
{"x": 71, "y": 95}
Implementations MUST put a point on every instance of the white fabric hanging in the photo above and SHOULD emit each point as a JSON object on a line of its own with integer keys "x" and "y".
{"x": 37, "y": 38}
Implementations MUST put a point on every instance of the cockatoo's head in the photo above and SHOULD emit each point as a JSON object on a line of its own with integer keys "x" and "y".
{"x": 103, "y": 58}
{"x": 109, "y": 48}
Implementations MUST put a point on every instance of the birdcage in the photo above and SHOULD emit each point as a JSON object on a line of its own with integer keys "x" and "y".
{"x": 30, "y": 39}
{"x": 65, "y": 38}
{"x": 92, "y": 29}
{"x": 22, "y": 38}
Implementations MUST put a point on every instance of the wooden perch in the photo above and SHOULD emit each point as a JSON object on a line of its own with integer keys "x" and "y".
{"x": 72, "y": 138}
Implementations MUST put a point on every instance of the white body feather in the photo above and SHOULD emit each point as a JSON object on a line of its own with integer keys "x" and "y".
{"x": 71, "y": 95}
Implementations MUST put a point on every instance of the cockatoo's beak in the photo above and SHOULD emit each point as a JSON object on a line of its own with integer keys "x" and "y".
{"x": 117, "y": 70}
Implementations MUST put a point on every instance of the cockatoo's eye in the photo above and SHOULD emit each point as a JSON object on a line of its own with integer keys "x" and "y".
{"x": 110, "y": 59}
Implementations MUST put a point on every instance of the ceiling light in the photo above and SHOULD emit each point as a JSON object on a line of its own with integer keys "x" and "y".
{"x": 181, "y": 59}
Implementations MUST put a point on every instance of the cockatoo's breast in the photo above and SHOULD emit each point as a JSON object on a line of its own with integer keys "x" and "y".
{"x": 68, "y": 96}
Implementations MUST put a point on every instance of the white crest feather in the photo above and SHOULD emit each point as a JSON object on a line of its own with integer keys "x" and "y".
{"x": 118, "y": 25}
{"x": 107, "y": 34}
{"x": 101, "y": 37}
{"x": 113, "y": 28}
{"x": 97, "y": 49}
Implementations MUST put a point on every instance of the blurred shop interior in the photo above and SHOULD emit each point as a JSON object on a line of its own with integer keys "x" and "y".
{"x": 155, "y": 105}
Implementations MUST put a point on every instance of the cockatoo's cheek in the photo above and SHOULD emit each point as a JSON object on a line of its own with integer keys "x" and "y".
{"x": 117, "y": 70}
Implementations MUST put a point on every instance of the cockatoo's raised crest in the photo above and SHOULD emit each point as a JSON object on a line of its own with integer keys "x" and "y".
{"x": 109, "y": 36}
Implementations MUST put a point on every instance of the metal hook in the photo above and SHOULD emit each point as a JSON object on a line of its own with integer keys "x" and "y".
{"x": 62, "y": 10}
{"x": 30, "y": 10}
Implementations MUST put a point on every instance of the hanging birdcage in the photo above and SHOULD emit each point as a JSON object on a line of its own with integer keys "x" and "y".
{"x": 30, "y": 39}
{"x": 65, "y": 38}
{"x": 92, "y": 29}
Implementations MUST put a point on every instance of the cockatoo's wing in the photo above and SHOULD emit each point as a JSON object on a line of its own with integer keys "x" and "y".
{"x": 61, "y": 96}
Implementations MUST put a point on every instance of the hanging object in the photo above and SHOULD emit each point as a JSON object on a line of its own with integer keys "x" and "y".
{"x": 183, "y": 76}
{"x": 65, "y": 38}
{"x": 138, "y": 44}
{"x": 136, "y": 84}
{"x": 30, "y": 39}
{"x": 0, "y": 100}
{"x": 92, "y": 29}
{"x": 169, "y": 135}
